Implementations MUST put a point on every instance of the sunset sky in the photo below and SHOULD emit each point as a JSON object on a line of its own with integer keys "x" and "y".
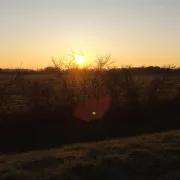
{"x": 136, "y": 32}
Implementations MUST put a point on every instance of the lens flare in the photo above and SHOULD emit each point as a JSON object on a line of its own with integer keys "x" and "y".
{"x": 92, "y": 109}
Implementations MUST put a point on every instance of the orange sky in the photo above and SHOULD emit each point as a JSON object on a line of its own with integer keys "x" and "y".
{"x": 136, "y": 32}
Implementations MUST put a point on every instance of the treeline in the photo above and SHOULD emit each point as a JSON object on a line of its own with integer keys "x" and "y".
{"x": 170, "y": 70}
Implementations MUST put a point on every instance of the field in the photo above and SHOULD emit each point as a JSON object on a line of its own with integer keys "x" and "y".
{"x": 45, "y": 109}
{"x": 154, "y": 156}
{"x": 27, "y": 91}
{"x": 90, "y": 124}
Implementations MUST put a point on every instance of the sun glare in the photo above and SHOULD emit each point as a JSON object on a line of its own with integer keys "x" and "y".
{"x": 80, "y": 60}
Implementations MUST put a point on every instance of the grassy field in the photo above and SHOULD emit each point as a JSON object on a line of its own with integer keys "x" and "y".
{"x": 48, "y": 109}
{"x": 22, "y": 90}
{"x": 155, "y": 156}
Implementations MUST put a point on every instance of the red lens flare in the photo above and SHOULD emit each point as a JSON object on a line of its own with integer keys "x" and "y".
{"x": 92, "y": 109}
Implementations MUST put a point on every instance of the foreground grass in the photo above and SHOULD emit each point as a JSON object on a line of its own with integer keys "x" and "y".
{"x": 155, "y": 156}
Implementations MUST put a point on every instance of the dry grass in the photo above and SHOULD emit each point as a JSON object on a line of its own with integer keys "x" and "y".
{"x": 155, "y": 156}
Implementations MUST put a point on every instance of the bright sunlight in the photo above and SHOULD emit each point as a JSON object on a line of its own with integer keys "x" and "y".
{"x": 80, "y": 60}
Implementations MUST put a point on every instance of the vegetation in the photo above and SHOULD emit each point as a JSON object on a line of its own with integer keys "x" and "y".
{"x": 66, "y": 104}
{"x": 147, "y": 157}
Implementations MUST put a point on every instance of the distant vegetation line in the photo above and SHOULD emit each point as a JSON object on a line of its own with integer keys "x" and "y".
{"x": 140, "y": 69}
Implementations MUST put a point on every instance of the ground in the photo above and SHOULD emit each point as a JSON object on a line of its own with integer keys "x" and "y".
{"x": 147, "y": 157}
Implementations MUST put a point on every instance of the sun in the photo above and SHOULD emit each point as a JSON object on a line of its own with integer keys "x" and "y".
{"x": 80, "y": 60}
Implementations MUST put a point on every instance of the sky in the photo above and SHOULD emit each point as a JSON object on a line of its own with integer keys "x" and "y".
{"x": 134, "y": 32}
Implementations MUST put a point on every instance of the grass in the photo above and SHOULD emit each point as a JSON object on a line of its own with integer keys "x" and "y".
{"x": 37, "y": 111}
{"x": 154, "y": 156}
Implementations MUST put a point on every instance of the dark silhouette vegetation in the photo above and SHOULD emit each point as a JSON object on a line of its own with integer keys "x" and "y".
{"x": 38, "y": 109}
